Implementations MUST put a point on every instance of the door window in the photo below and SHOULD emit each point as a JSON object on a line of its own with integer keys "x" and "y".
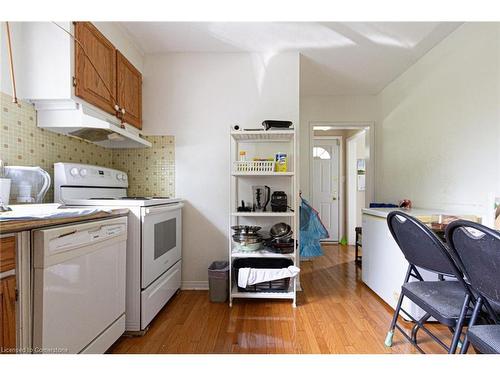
{"x": 321, "y": 153}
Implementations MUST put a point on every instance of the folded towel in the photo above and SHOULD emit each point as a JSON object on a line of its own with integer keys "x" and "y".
{"x": 59, "y": 213}
{"x": 252, "y": 276}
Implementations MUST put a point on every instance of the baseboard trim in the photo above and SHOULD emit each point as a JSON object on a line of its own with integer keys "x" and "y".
{"x": 194, "y": 285}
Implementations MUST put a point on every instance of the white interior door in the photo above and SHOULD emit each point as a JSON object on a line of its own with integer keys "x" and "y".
{"x": 326, "y": 184}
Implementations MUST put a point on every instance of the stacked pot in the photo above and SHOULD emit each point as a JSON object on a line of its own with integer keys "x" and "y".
{"x": 281, "y": 240}
{"x": 247, "y": 237}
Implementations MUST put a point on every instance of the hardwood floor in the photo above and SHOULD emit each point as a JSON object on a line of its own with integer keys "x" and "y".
{"x": 336, "y": 313}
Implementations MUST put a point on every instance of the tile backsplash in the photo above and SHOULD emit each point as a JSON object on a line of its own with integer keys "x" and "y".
{"x": 150, "y": 171}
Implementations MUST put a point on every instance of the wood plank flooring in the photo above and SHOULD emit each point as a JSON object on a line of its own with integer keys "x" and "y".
{"x": 336, "y": 313}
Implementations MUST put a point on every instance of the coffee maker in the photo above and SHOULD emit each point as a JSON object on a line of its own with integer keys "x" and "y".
{"x": 279, "y": 201}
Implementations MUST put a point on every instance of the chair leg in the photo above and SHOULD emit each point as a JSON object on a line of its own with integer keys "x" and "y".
{"x": 417, "y": 326}
{"x": 458, "y": 328}
{"x": 390, "y": 334}
{"x": 473, "y": 318}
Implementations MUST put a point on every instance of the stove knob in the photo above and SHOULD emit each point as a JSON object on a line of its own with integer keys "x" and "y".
{"x": 83, "y": 172}
{"x": 74, "y": 172}
{"x": 119, "y": 176}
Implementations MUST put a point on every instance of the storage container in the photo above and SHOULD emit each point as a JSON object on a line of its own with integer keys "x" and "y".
{"x": 280, "y": 285}
{"x": 255, "y": 166}
{"x": 281, "y": 162}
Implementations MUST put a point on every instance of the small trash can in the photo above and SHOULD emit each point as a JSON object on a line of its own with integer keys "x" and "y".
{"x": 218, "y": 281}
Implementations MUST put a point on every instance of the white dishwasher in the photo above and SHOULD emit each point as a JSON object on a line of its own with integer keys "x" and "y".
{"x": 79, "y": 286}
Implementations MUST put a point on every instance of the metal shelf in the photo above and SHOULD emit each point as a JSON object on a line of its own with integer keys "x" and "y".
{"x": 264, "y": 295}
{"x": 260, "y": 254}
{"x": 263, "y": 214}
{"x": 270, "y": 141}
{"x": 263, "y": 174}
{"x": 263, "y": 135}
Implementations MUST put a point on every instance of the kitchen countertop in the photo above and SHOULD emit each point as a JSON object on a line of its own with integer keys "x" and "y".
{"x": 16, "y": 225}
{"x": 417, "y": 212}
{"x": 434, "y": 218}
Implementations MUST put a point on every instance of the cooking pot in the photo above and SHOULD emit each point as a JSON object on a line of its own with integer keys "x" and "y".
{"x": 247, "y": 239}
{"x": 250, "y": 229}
{"x": 280, "y": 230}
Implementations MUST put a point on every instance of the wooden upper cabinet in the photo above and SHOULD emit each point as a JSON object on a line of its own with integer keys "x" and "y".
{"x": 102, "y": 53}
{"x": 129, "y": 90}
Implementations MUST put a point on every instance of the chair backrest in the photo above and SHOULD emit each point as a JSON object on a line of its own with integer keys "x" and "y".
{"x": 477, "y": 248}
{"x": 420, "y": 245}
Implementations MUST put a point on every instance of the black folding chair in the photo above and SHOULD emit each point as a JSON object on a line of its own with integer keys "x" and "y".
{"x": 476, "y": 249}
{"x": 485, "y": 338}
{"x": 448, "y": 301}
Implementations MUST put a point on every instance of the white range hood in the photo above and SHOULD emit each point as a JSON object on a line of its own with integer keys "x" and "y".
{"x": 81, "y": 120}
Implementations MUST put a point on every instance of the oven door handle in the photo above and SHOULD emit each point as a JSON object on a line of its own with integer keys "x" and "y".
{"x": 161, "y": 209}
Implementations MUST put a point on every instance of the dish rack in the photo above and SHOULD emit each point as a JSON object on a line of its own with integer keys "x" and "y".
{"x": 274, "y": 286}
{"x": 254, "y": 166}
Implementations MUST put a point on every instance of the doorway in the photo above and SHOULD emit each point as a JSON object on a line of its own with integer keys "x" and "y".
{"x": 326, "y": 168}
{"x": 356, "y": 182}
{"x": 341, "y": 178}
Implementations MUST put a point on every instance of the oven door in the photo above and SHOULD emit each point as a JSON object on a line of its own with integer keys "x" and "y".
{"x": 161, "y": 240}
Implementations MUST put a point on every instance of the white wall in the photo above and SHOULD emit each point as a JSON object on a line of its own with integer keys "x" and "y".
{"x": 5, "y": 82}
{"x": 329, "y": 109}
{"x": 438, "y": 136}
{"x": 197, "y": 97}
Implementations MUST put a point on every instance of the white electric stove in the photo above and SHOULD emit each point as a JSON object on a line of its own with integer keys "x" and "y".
{"x": 154, "y": 240}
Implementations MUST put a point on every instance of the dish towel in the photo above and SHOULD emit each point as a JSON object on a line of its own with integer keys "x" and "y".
{"x": 252, "y": 276}
{"x": 49, "y": 213}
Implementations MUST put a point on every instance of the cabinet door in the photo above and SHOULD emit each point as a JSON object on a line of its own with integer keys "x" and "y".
{"x": 102, "y": 54}
{"x": 7, "y": 294}
{"x": 129, "y": 90}
{"x": 8, "y": 314}
{"x": 7, "y": 253}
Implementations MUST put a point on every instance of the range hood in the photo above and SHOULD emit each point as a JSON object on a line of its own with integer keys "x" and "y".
{"x": 75, "y": 118}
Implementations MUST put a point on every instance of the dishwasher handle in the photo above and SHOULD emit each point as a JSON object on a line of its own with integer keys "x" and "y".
{"x": 77, "y": 239}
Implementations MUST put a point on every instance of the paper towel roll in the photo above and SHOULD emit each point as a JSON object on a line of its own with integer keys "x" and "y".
{"x": 5, "y": 190}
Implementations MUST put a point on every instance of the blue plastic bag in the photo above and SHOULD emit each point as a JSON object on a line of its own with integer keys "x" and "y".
{"x": 312, "y": 231}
